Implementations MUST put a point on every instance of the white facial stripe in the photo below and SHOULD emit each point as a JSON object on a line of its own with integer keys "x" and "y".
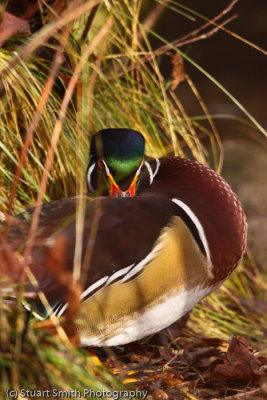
{"x": 106, "y": 167}
{"x": 139, "y": 169}
{"x": 117, "y": 274}
{"x": 93, "y": 287}
{"x": 157, "y": 168}
{"x": 200, "y": 230}
{"x": 150, "y": 171}
{"x": 89, "y": 173}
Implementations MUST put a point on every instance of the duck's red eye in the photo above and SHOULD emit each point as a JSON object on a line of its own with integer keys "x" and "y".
{"x": 100, "y": 164}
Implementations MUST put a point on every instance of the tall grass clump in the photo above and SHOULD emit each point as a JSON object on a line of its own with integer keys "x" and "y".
{"x": 90, "y": 67}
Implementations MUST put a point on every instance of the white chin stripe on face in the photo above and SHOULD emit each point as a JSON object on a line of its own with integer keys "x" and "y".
{"x": 89, "y": 174}
{"x": 152, "y": 173}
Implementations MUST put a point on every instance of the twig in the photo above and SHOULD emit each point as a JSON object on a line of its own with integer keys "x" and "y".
{"x": 188, "y": 396}
{"x": 180, "y": 42}
{"x": 248, "y": 395}
{"x": 210, "y": 22}
{"x": 186, "y": 39}
{"x": 175, "y": 44}
{"x": 89, "y": 22}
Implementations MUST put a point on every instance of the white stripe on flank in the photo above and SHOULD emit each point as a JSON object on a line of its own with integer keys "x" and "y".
{"x": 38, "y": 316}
{"x": 93, "y": 287}
{"x": 143, "y": 262}
{"x": 117, "y": 274}
{"x": 200, "y": 230}
{"x": 124, "y": 271}
{"x": 62, "y": 310}
{"x": 106, "y": 280}
{"x": 89, "y": 173}
{"x": 149, "y": 320}
{"x": 35, "y": 314}
{"x": 57, "y": 308}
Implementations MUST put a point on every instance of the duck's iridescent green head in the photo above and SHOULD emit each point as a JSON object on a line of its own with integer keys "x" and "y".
{"x": 116, "y": 154}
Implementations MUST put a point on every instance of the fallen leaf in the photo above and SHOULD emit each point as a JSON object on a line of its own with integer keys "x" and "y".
{"x": 156, "y": 384}
{"x": 11, "y": 25}
{"x": 166, "y": 354}
{"x": 200, "y": 356}
{"x": 159, "y": 394}
{"x": 134, "y": 357}
{"x": 178, "y": 74}
{"x": 240, "y": 364}
{"x": 174, "y": 394}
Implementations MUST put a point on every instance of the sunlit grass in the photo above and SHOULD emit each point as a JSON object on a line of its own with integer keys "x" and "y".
{"x": 44, "y": 361}
{"x": 109, "y": 93}
{"x": 224, "y": 313}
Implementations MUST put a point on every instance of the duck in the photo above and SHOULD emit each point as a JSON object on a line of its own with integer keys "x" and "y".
{"x": 158, "y": 236}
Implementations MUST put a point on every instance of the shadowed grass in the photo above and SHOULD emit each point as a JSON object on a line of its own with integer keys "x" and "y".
{"x": 110, "y": 92}
{"x": 234, "y": 309}
{"x": 44, "y": 361}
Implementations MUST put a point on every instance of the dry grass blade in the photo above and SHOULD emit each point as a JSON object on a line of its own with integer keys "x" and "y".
{"x": 57, "y": 130}
{"x": 65, "y": 284}
{"x": 58, "y": 59}
{"x": 104, "y": 73}
{"x": 47, "y": 32}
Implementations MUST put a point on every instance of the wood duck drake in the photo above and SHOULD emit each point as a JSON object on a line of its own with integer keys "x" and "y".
{"x": 169, "y": 232}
